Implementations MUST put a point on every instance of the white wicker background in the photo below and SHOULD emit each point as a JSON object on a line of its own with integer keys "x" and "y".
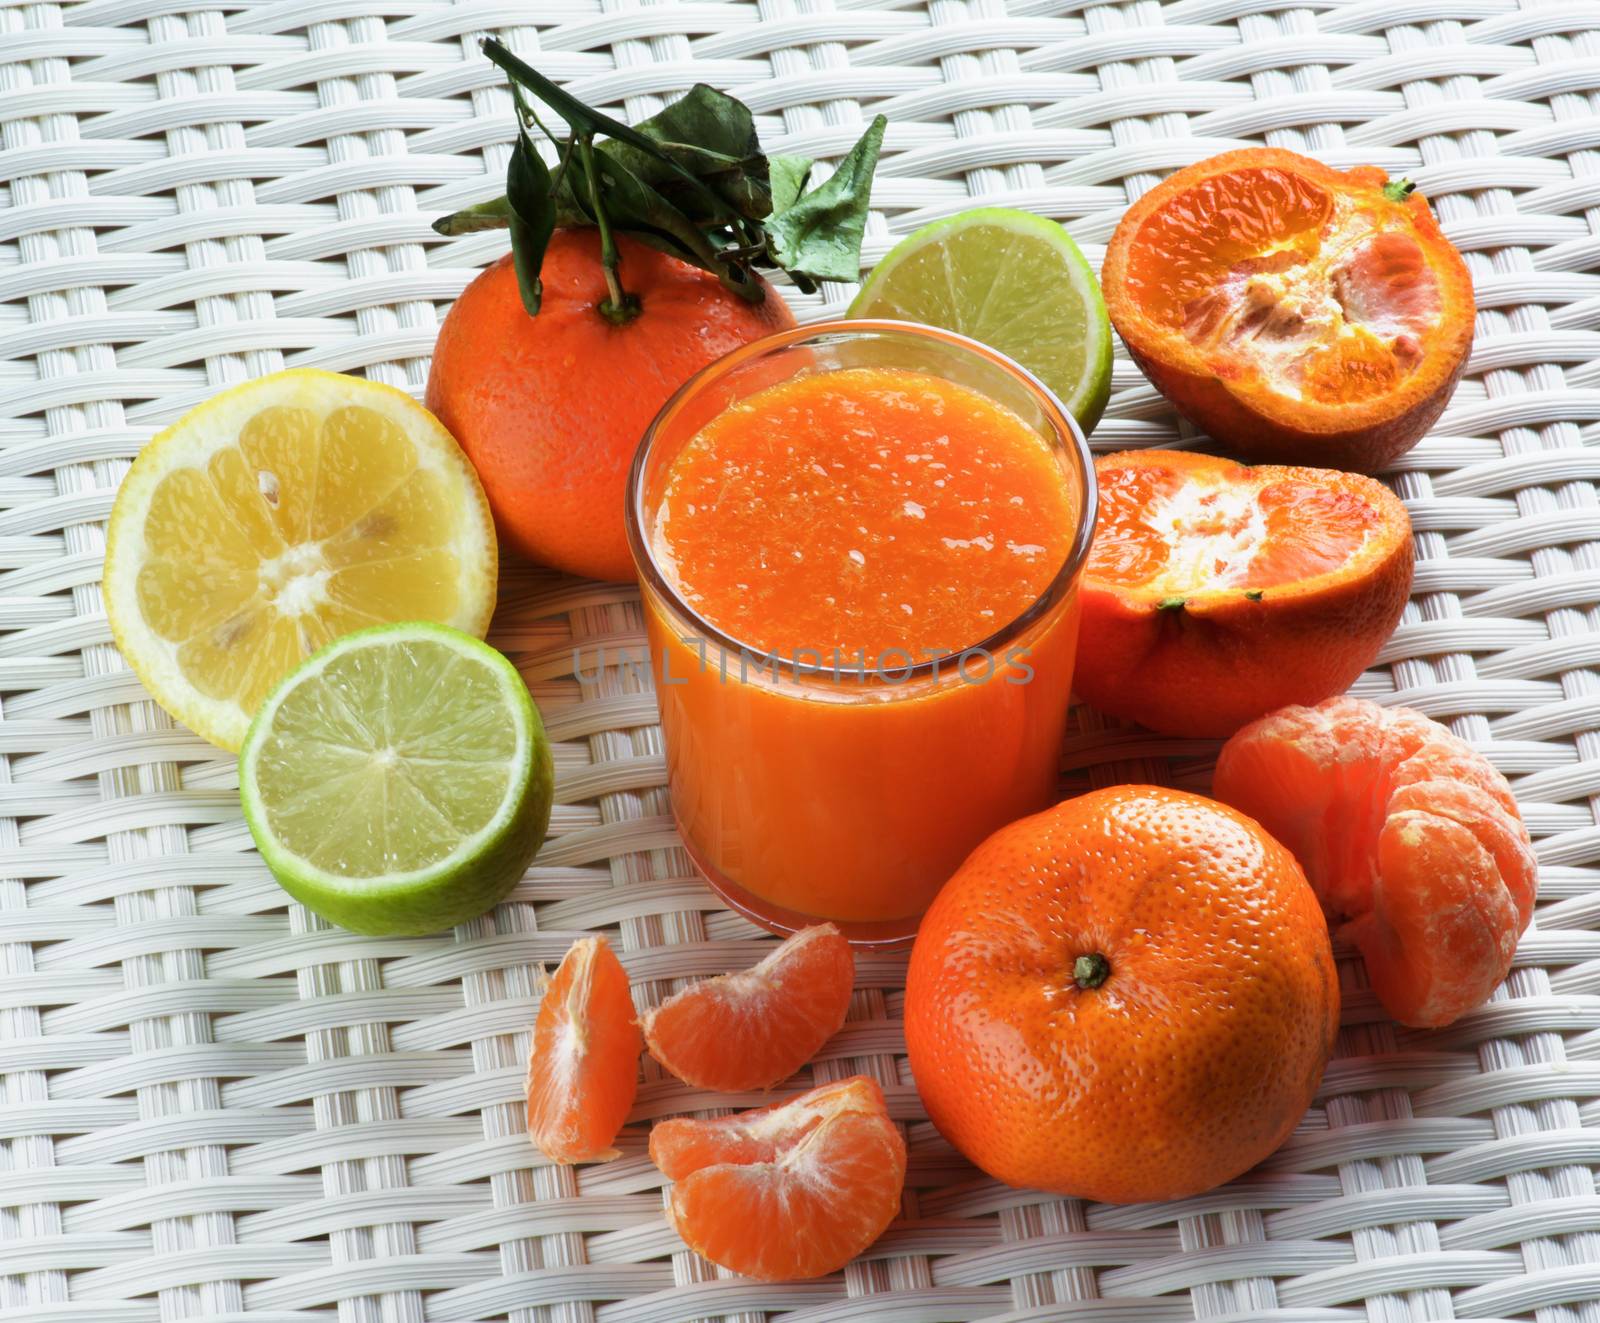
{"x": 218, "y": 1107}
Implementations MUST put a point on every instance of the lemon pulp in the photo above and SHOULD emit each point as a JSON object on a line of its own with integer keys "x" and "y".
{"x": 261, "y": 534}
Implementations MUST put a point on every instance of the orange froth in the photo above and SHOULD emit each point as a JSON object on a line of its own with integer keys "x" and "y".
{"x": 865, "y": 510}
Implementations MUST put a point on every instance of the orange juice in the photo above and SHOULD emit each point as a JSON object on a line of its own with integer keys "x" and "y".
{"x": 861, "y": 612}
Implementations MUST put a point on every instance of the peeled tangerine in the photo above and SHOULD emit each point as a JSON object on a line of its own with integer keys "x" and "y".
{"x": 1411, "y": 840}
{"x": 583, "y": 1070}
{"x": 755, "y": 1028}
{"x": 793, "y": 1190}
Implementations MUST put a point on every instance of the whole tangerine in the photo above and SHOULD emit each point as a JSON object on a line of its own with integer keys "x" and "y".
{"x": 1130, "y": 996}
{"x": 551, "y": 408}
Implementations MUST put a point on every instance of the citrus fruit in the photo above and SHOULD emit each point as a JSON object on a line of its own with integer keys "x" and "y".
{"x": 583, "y": 1067}
{"x": 755, "y": 1028}
{"x": 551, "y": 408}
{"x": 1012, "y": 280}
{"x": 1130, "y": 996}
{"x": 1215, "y": 592}
{"x": 1411, "y": 839}
{"x": 277, "y": 516}
{"x": 1297, "y": 313}
{"x": 797, "y": 1189}
{"x": 399, "y": 781}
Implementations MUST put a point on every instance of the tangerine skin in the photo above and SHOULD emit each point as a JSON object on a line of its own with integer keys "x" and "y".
{"x": 550, "y": 409}
{"x": 1224, "y": 658}
{"x": 1261, "y": 424}
{"x": 1192, "y": 1061}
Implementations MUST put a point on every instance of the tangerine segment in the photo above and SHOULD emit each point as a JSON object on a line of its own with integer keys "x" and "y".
{"x": 793, "y": 1190}
{"x": 1411, "y": 839}
{"x": 583, "y": 1070}
{"x": 754, "y": 1028}
{"x": 1226, "y": 227}
{"x": 1284, "y": 305}
{"x": 1215, "y": 592}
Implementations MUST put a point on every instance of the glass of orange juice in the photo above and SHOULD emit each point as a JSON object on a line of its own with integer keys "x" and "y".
{"x": 859, "y": 545}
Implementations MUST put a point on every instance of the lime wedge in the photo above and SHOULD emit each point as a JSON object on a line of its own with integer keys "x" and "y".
{"x": 399, "y": 780}
{"x": 1016, "y": 282}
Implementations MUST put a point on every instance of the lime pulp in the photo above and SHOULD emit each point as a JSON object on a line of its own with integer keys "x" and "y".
{"x": 1014, "y": 281}
{"x": 399, "y": 780}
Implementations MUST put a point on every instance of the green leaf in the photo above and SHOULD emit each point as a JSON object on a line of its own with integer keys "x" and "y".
{"x": 492, "y": 215}
{"x": 712, "y": 121}
{"x": 583, "y": 119}
{"x": 532, "y": 211}
{"x": 712, "y": 136}
{"x": 819, "y": 234}
{"x": 635, "y": 207}
{"x": 787, "y": 176}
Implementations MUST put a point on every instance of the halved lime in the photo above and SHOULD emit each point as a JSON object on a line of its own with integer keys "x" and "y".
{"x": 1016, "y": 282}
{"x": 399, "y": 780}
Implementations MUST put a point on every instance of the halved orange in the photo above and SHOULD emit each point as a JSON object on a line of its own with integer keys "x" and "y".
{"x": 1215, "y": 591}
{"x": 755, "y": 1028}
{"x": 1411, "y": 839}
{"x": 1297, "y": 313}
{"x": 583, "y": 1070}
{"x": 793, "y": 1190}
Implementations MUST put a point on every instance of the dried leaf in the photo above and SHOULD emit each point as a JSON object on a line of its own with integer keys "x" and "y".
{"x": 819, "y": 234}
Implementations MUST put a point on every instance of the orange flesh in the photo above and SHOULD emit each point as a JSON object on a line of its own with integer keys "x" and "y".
{"x": 1163, "y": 533}
{"x": 755, "y": 1028}
{"x": 1411, "y": 839}
{"x": 794, "y": 1190}
{"x": 1276, "y": 281}
{"x": 864, "y": 509}
{"x": 583, "y": 1067}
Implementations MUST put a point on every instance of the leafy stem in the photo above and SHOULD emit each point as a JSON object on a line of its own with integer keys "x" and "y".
{"x": 691, "y": 181}
{"x": 619, "y": 307}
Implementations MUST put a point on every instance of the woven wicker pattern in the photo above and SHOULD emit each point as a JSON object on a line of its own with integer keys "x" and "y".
{"x": 218, "y": 1107}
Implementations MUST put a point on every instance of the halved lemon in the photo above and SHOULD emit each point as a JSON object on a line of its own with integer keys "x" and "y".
{"x": 278, "y": 516}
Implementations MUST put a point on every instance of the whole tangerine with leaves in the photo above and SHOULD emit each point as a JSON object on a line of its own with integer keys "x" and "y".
{"x": 550, "y": 408}
{"x": 1297, "y": 313}
{"x": 1130, "y": 996}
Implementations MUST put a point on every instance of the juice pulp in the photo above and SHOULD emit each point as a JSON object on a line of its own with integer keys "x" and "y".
{"x": 859, "y": 521}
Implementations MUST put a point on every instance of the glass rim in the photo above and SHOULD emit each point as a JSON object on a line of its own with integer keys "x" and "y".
{"x": 1065, "y": 425}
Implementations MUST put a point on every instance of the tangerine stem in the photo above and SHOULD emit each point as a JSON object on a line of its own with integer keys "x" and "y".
{"x": 1090, "y": 971}
{"x": 619, "y": 307}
